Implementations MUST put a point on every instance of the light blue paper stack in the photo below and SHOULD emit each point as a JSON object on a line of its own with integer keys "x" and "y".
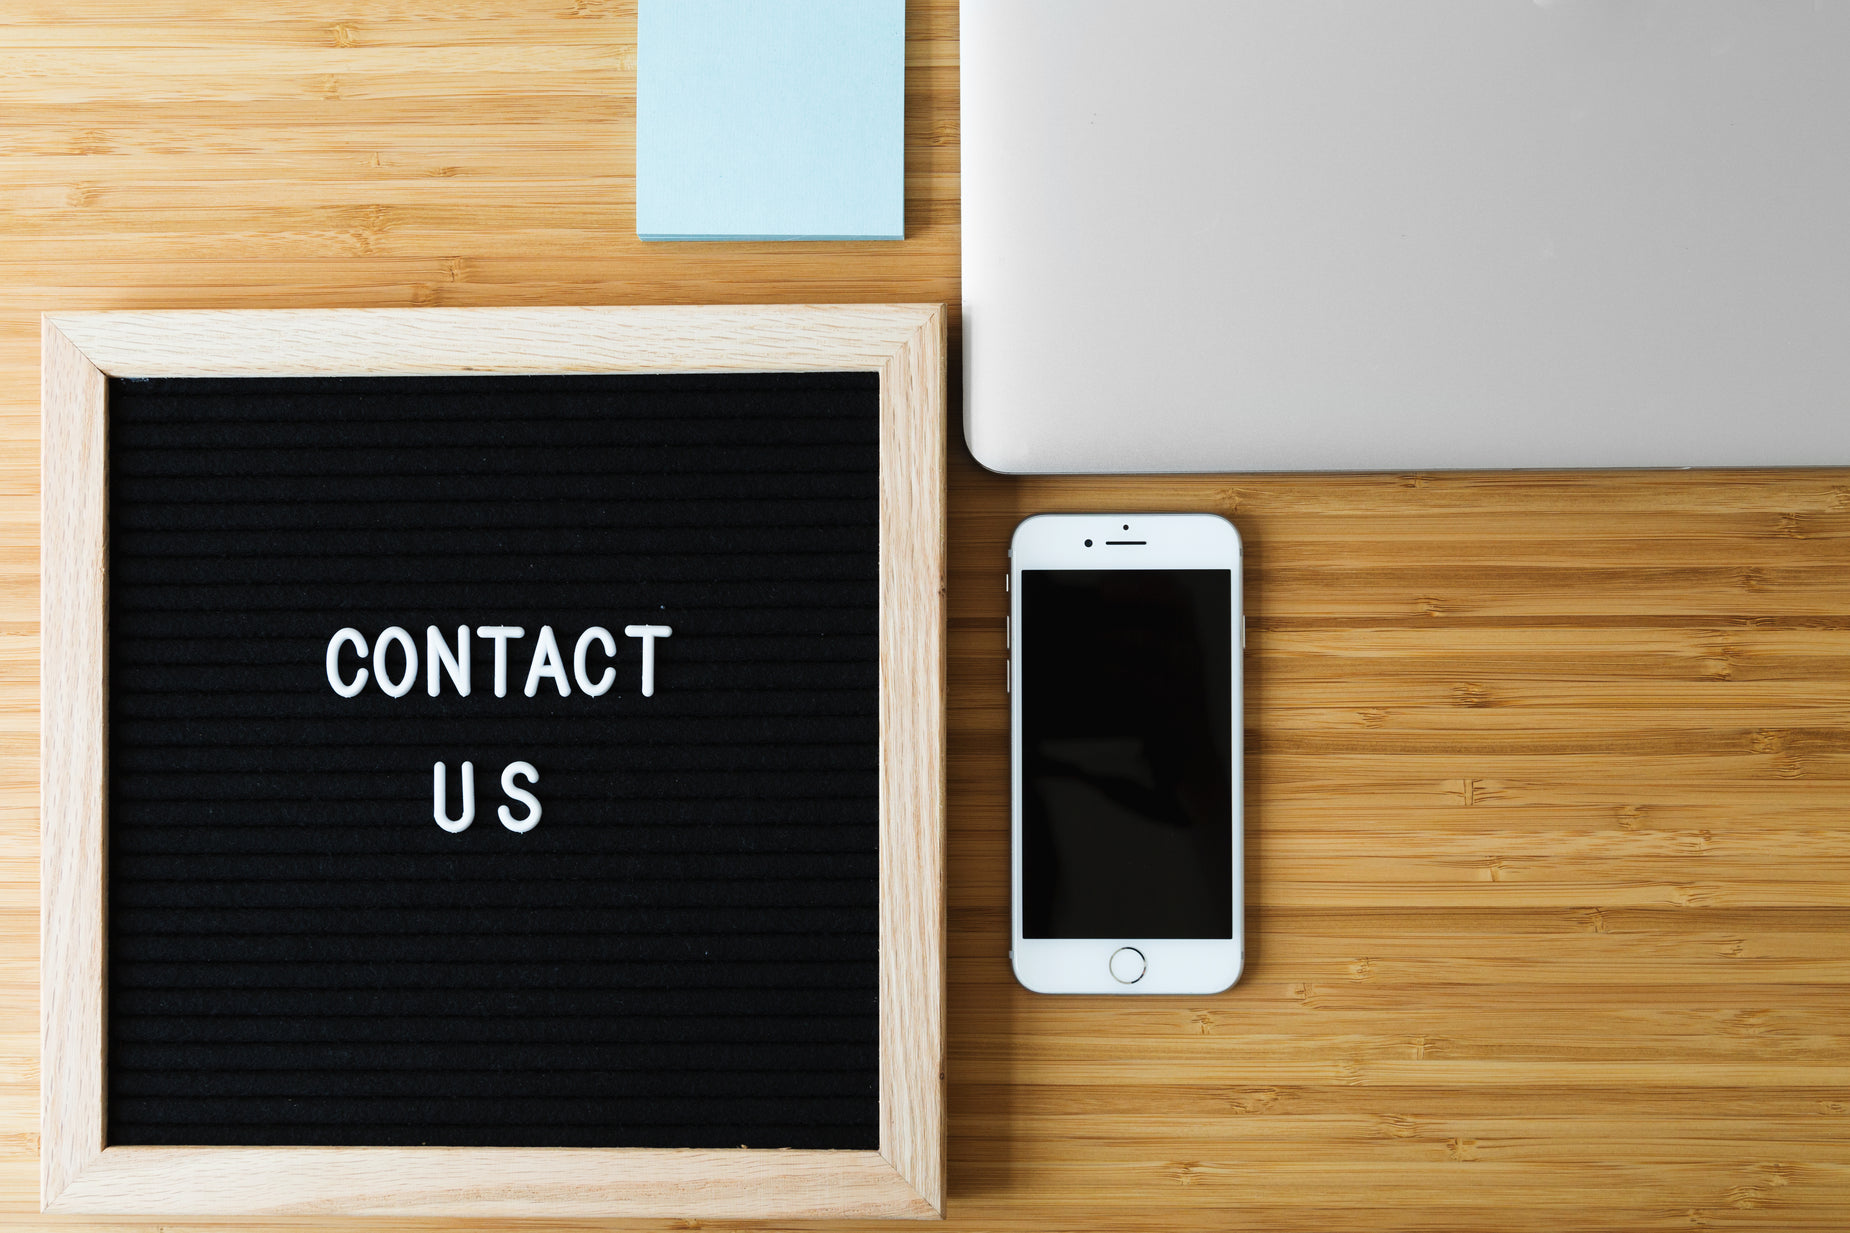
{"x": 771, "y": 119}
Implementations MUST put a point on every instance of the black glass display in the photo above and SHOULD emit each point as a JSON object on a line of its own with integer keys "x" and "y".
{"x": 1127, "y": 753}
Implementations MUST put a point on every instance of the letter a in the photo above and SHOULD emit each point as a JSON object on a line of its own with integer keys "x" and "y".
{"x": 547, "y": 662}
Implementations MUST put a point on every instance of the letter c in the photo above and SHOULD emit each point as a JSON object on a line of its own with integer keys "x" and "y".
{"x": 343, "y": 688}
{"x": 597, "y": 633}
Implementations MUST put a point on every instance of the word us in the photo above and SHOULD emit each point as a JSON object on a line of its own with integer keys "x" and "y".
{"x": 441, "y": 660}
{"x": 440, "y": 806}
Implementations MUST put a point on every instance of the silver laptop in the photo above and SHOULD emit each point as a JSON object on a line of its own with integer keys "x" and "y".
{"x": 1231, "y": 235}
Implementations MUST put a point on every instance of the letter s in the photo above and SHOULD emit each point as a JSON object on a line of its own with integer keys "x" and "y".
{"x": 525, "y": 797}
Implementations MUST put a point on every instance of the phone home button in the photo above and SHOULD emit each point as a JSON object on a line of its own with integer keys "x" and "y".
{"x": 1127, "y": 965}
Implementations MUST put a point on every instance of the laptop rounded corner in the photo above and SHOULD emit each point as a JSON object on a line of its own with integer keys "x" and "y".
{"x": 989, "y": 454}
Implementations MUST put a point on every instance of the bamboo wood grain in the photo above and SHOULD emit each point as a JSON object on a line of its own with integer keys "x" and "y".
{"x": 374, "y": 155}
{"x": 905, "y": 1178}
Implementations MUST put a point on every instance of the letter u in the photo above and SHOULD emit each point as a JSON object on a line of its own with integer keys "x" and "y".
{"x": 439, "y": 791}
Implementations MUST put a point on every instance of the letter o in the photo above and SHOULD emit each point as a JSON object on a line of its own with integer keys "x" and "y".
{"x": 402, "y": 686}
{"x": 346, "y": 689}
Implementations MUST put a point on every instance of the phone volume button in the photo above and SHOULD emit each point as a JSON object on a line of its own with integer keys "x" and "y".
{"x": 1008, "y": 677}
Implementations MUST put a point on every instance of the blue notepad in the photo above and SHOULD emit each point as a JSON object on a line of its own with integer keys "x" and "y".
{"x": 770, "y": 119}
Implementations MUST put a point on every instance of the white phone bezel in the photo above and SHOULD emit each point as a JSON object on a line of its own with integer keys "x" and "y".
{"x": 1170, "y": 541}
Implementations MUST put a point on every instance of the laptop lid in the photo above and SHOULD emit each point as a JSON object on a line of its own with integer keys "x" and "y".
{"x": 1228, "y": 235}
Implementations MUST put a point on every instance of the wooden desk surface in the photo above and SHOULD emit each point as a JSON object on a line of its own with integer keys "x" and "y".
{"x": 1550, "y": 774}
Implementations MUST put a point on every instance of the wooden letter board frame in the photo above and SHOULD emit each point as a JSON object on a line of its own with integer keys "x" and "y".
{"x": 80, "y": 1173}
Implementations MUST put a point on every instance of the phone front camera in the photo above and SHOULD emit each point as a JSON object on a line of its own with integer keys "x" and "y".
{"x": 1088, "y": 543}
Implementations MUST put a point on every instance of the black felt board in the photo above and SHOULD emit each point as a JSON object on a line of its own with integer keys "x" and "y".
{"x": 682, "y": 953}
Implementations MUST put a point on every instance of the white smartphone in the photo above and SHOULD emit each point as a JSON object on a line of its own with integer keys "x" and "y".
{"x": 1125, "y": 636}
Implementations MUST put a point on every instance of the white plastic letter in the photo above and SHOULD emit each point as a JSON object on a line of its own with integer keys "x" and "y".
{"x": 648, "y": 634}
{"x": 500, "y": 634}
{"x": 345, "y": 689}
{"x": 547, "y": 662}
{"x": 439, "y": 792}
{"x": 437, "y": 652}
{"x": 525, "y": 797}
{"x": 596, "y": 633}
{"x": 402, "y": 685}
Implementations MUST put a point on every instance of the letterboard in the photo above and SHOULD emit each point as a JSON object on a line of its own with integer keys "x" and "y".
{"x": 680, "y": 947}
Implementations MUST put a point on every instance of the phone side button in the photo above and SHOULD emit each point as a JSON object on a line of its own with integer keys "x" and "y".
{"x": 1127, "y": 965}
{"x": 1008, "y": 677}
{"x": 1242, "y": 631}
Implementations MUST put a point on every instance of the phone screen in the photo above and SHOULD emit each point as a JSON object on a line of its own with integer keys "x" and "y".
{"x": 1127, "y": 748}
